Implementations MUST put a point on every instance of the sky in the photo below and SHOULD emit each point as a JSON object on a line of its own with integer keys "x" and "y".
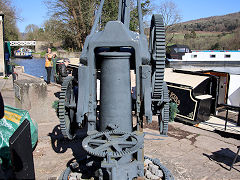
{"x": 35, "y": 11}
{"x": 30, "y": 12}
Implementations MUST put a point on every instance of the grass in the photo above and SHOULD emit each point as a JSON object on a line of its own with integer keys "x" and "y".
{"x": 204, "y": 40}
{"x": 42, "y": 54}
{"x": 14, "y": 64}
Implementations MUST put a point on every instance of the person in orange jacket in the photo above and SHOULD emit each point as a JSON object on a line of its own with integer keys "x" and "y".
{"x": 49, "y": 63}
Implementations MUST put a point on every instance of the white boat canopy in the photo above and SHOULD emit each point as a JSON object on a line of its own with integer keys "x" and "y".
{"x": 183, "y": 79}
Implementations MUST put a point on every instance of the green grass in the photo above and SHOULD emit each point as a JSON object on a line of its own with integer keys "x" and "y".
{"x": 42, "y": 54}
{"x": 204, "y": 40}
{"x": 14, "y": 64}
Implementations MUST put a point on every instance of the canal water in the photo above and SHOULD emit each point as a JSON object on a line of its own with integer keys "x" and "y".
{"x": 36, "y": 67}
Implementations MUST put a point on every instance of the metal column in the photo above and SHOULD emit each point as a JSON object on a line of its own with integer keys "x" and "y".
{"x": 115, "y": 97}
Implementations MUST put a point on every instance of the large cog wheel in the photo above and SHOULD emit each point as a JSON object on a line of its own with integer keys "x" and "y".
{"x": 112, "y": 143}
{"x": 67, "y": 109}
{"x": 163, "y": 122}
{"x": 158, "y": 54}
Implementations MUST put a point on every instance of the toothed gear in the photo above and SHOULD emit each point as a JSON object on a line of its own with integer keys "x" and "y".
{"x": 112, "y": 143}
{"x": 67, "y": 108}
{"x": 165, "y": 111}
{"x": 158, "y": 52}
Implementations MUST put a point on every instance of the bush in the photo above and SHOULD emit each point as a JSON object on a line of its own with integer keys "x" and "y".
{"x": 173, "y": 110}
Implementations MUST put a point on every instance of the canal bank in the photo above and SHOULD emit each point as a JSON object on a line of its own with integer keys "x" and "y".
{"x": 188, "y": 152}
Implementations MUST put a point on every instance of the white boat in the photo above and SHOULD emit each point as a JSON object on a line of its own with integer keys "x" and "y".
{"x": 209, "y": 57}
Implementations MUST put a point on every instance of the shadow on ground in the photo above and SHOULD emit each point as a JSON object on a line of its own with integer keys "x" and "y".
{"x": 80, "y": 162}
{"x": 61, "y": 144}
{"x": 57, "y": 94}
{"x": 223, "y": 156}
{"x": 227, "y": 134}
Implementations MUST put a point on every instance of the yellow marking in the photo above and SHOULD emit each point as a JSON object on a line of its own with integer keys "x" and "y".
{"x": 12, "y": 116}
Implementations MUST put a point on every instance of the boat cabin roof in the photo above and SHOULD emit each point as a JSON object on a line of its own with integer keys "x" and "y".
{"x": 183, "y": 79}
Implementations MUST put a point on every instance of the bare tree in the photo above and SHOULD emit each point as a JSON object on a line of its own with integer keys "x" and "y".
{"x": 31, "y": 32}
{"x": 77, "y": 16}
{"x": 171, "y": 15}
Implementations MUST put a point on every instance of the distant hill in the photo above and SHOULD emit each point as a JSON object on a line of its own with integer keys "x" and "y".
{"x": 225, "y": 23}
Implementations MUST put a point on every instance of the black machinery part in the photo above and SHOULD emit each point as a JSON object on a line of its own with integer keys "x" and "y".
{"x": 157, "y": 49}
{"x": 165, "y": 112}
{"x": 67, "y": 109}
{"x": 112, "y": 143}
{"x": 166, "y": 173}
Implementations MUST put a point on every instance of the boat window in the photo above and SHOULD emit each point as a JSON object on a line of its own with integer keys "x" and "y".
{"x": 212, "y": 55}
{"x": 181, "y": 50}
{"x": 227, "y": 55}
{"x": 194, "y": 56}
{"x": 187, "y": 50}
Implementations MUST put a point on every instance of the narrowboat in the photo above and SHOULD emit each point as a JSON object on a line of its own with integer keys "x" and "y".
{"x": 182, "y": 55}
{"x": 23, "y": 53}
{"x": 198, "y": 94}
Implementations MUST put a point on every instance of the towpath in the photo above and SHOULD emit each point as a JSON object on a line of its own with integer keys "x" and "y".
{"x": 188, "y": 152}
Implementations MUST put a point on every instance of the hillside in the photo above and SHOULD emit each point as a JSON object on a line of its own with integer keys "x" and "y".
{"x": 226, "y": 23}
{"x": 217, "y": 32}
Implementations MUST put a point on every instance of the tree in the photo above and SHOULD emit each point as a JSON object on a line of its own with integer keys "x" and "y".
{"x": 77, "y": 17}
{"x": 32, "y": 32}
{"x": 215, "y": 46}
{"x": 10, "y": 17}
{"x": 190, "y": 35}
{"x": 146, "y": 10}
{"x": 171, "y": 15}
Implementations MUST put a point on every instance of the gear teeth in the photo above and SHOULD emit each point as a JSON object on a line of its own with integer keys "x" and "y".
{"x": 160, "y": 54}
{"x": 114, "y": 154}
{"x": 165, "y": 115}
{"x": 65, "y": 123}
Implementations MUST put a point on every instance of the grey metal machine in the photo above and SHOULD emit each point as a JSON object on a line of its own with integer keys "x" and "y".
{"x": 113, "y": 144}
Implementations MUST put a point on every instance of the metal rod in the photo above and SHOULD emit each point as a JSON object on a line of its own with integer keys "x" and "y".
{"x": 238, "y": 121}
{"x": 235, "y": 158}
{"x": 127, "y": 14}
{"x": 124, "y": 12}
{"x": 226, "y": 120}
{"x": 99, "y": 12}
{"x": 140, "y": 17}
{"x": 120, "y": 4}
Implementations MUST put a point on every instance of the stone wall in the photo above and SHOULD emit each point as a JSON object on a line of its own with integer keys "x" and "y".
{"x": 30, "y": 92}
{"x": 66, "y": 54}
{"x": 42, "y": 46}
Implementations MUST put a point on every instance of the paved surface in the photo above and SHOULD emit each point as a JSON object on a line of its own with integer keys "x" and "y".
{"x": 188, "y": 152}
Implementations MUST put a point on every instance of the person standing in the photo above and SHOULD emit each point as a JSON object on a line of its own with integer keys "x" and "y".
{"x": 49, "y": 63}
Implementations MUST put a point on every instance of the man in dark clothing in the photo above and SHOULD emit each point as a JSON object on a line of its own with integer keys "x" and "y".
{"x": 63, "y": 72}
